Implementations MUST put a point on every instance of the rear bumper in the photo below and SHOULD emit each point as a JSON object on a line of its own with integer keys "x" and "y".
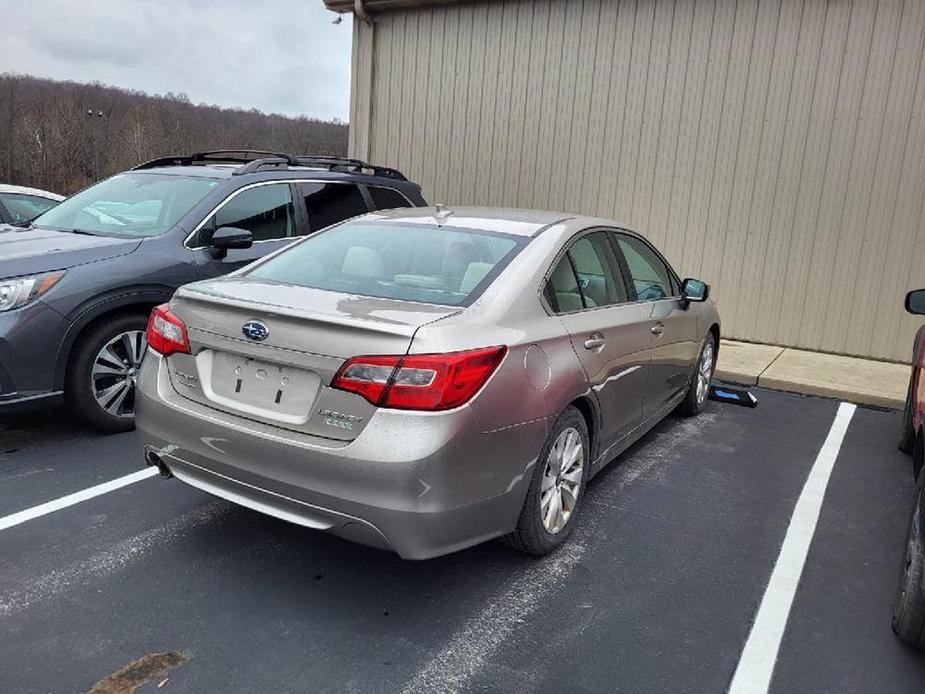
{"x": 419, "y": 484}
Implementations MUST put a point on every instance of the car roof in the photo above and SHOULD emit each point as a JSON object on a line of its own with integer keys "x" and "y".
{"x": 510, "y": 220}
{"x": 23, "y": 190}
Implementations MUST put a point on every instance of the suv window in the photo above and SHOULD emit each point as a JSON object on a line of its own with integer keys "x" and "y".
{"x": 651, "y": 277}
{"x": 587, "y": 276}
{"x": 23, "y": 207}
{"x": 265, "y": 211}
{"x": 330, "y": 203}
{"x": 387, "y": 198}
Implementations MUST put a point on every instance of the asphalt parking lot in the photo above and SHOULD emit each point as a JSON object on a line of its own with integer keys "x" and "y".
{"x": 656, "y": 591}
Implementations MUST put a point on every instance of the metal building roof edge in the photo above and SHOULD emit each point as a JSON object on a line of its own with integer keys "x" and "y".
{"x": 378, "y": 6}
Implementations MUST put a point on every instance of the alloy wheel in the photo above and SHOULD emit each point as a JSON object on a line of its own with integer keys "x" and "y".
{"x": 561, "y": 480}
{"x": 705, "y": 372}
{"x": 115, "y": 370}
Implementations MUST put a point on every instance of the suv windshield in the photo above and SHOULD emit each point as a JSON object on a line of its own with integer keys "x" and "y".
{"x": 131, "y": 204}
{"x": 447, "y": 265}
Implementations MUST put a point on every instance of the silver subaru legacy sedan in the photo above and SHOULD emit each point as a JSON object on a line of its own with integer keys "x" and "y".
{"x": 423, "y": 380}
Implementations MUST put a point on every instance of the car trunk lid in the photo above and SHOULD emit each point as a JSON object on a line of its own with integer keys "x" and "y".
{"x": 268, "y": 352}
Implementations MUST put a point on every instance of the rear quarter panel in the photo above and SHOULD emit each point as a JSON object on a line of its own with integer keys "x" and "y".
{"x": 540, "y": 374}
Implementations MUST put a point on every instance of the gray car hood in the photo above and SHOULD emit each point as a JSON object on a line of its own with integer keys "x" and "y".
{"x": 29, "y": 251}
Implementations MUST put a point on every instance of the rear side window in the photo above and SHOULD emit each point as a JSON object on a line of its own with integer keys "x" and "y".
{"x": 651, "y": 276}
{"x": 450, "y": 266}
{"x": 387, "y": 198}
{"x": 587, "y": 276}
{"x": 330, "y": 203}
{"x": 22, "y": 208}
{"x": 265, "y": 211}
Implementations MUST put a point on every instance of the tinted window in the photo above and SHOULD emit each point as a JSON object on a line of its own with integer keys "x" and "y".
{"x": 651, "y": 276}
{"x": 265, "y": 211}
{"x": 22, "y": 208}
{"x": 132, "y": 204}
{"x": 562, "y": 289}
{"x": 598, "y": 272}
{"x": 587, "y": 276}
{"x": 330, "y": 203}
{"x": 446, "y": 265}
{"x": 387, "y": 198}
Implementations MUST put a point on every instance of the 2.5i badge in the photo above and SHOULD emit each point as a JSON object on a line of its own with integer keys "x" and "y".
{"x": 340, "y": 420}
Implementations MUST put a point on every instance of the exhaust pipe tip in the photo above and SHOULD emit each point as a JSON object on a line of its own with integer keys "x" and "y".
{"x": 152, "y": 458}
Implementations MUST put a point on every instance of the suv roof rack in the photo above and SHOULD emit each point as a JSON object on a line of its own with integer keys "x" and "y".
{"x": 257, "y": 160}
{"x": 215, "y": 156}
{"x": 349, "y": 165}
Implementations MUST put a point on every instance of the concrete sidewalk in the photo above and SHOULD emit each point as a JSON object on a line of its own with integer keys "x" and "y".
{"x": 860, "y": 381}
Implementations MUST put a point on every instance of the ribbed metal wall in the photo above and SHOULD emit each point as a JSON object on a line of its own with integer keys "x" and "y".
{"x": 775, "y": 148}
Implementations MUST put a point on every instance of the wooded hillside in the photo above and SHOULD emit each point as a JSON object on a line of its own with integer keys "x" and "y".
{"x": 62, "y": 136}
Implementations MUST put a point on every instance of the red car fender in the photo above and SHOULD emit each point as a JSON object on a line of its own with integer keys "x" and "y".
{"x": 918, "y": 381}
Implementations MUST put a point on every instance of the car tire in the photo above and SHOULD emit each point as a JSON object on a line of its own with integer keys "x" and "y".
{"x": 540, "y": 529}
{"x": 909, "y": 606}
{"x": 96, "y": 379}
{"x": 907, "y": 435}
{"x": 698, "y": 390}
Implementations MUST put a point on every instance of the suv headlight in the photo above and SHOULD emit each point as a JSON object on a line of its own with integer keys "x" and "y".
{"x": 19, "y": 291}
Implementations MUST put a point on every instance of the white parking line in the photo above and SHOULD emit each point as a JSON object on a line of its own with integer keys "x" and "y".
{"x": 756, "y": 664}
{"x": 75, "y": 498}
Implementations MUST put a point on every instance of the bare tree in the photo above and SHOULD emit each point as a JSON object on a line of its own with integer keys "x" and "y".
{"x": 48, "y": 140}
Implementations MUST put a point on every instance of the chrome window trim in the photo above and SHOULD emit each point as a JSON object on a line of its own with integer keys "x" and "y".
{"x": 273, "y": 181}
{"x": 394, "y": 190}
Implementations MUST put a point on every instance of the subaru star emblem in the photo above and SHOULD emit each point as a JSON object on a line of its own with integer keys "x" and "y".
{"x": 255, "y": 330}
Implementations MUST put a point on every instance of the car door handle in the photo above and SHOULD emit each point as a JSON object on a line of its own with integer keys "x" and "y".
{"x": 595, "y": 341}
{"x": 658, "y": 329}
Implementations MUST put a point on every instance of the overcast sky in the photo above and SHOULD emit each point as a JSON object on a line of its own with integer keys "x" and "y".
{"x": 279, "y": 56}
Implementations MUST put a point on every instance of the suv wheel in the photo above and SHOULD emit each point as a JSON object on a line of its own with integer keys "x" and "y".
{"x": 101, "y": 382}
{"x": 556, "y": 488}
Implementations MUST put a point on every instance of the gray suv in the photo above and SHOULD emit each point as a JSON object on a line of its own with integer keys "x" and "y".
{"x": 78, "y": 283}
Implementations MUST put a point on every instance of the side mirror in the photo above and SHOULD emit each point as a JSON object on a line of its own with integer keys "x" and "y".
{"x": 694, "y": 290}
{"x": 225, "y": 238}
{"x": 915, "y": 302}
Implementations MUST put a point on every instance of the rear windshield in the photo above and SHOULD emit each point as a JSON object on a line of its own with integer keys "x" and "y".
{"x": 131, "y": 204}
{"x": 446, "y": 265}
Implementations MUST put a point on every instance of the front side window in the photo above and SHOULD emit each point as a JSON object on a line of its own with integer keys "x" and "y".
{"x": 330, "y": 203}
{"x": 450, "y": 266}
{"x": 23, "y": 207}
{"x": 587, "y": 276}
{"x": 266, "y": 212}
{"x": 130, "y": 205}
{"x": 651, "y": 276}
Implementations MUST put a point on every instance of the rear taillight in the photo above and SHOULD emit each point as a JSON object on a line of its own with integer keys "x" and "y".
{"x": 166, "y": 333}
{"x": 419, "y": 381}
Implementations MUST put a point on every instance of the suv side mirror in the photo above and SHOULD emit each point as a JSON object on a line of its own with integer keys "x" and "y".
{"x": 694, "y": 290}
{"x": 915, "y": 302}
{"x": 230, "y": 237}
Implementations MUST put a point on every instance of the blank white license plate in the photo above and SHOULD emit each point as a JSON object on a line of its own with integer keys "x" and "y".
{"x": 262, "y": 388}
